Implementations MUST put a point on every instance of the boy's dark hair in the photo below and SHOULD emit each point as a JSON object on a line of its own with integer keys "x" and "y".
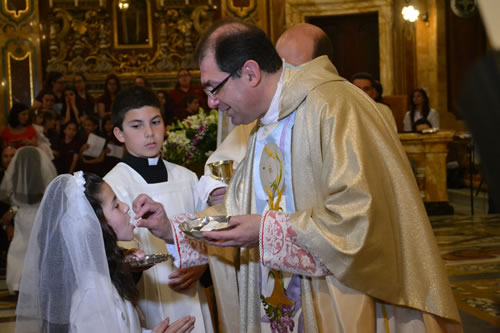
{"x": 13, "y": 119}
{"x": 422, "y": 121}
{"x": 240, "y": 42}
{"x": 120, "y": 276}
{"x": 132, "y": 98}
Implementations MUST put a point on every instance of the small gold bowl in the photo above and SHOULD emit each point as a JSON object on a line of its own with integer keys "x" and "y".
{"x": 221, "y": 170}
{"x": 193, "y": 228}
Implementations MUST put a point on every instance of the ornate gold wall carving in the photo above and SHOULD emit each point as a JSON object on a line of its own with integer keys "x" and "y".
{"x": 80, "y": 40}
{"x": 19, "y": 60}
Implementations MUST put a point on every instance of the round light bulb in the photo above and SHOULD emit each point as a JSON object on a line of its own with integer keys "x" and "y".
{"x": 410, "y": 13}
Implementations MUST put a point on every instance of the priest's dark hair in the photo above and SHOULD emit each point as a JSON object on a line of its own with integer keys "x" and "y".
{"x": 132, "y": 98}
{"x": 234, "y": 42}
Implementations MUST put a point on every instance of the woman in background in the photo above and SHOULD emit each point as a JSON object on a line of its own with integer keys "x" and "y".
{"x": 419, "y": 108}
{"x": 84, "y": 102}
{"x": 19, "y": 132}
{"x": 104, "y": 102}
{"x": 183, "y": 89}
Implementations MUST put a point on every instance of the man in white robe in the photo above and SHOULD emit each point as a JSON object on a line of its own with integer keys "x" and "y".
{"x": 343, "y": 213}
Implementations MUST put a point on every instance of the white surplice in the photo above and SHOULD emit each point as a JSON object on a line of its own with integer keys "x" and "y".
{"x": 157, "y": 300}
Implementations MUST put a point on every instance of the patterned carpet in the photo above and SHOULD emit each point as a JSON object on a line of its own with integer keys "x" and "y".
{"x": 470, "y": 247}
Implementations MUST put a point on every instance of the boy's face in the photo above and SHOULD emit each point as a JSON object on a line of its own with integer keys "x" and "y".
{"x": 143, "y": 131}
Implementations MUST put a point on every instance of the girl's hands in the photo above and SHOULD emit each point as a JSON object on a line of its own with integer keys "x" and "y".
{"x": 182, "y": 325}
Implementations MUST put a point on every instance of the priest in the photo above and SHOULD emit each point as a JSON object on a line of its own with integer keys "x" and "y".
{"x": 329, "y": 233}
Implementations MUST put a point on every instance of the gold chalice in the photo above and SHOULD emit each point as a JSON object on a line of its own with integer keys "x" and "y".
{"x": 221, "y": 170}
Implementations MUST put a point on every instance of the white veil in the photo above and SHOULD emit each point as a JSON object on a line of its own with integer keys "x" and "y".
{"x": 27, "y": 176}
{"x": 66, "y": 257}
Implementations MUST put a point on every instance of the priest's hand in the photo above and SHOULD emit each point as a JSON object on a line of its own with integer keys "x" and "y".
{"x": 185, "y": 278}
{"x": 217, "y": 196}
{"x": 150, "y": 214}
{"x": 245, "y": 232}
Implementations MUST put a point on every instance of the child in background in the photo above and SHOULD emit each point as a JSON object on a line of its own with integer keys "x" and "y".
{"x": 89, "y": 163}
{"x": 24, "y": 183}
{"x": 164, "y": 290}
{"x": 113, "y": 146}
{"x": 45, "y": 125}
{"x": 192, "y": 104}
{"x": 70, "y": 110}
{"x": 67, "y": 149}
{"x": 75, "y": 276}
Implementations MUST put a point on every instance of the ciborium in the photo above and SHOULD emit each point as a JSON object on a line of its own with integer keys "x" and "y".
{"x": 221, "y": 170}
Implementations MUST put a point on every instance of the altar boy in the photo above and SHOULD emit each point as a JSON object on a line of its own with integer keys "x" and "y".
{"x": 164, "y": 290}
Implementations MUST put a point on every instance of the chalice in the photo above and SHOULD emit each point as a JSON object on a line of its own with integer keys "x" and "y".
{"x": 221, "y": 170}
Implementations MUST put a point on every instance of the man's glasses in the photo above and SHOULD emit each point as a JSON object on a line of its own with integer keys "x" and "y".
{"x": 212, "y": 92}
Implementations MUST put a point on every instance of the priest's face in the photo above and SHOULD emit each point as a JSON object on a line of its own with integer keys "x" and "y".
{"x": 232, "y": 96}
{"x": 142, "y": 131}
{"x": 115, "y": 213}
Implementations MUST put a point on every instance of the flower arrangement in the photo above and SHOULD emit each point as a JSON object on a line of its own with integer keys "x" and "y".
{"x": 190, "y": 142}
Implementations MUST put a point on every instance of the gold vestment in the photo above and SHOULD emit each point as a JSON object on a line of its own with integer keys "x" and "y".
{"x": 358, "y": 211}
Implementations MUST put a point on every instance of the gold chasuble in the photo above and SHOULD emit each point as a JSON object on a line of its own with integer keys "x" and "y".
{"x": 357, "y": 210}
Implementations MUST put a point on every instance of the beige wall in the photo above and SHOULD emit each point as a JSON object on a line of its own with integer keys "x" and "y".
{"x": 429, "y": 69}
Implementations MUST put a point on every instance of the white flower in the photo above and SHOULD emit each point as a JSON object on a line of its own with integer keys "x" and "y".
{"x": 80, "y": 181}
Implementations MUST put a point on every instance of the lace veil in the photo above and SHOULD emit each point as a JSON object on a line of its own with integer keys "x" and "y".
{"x": 27, "y": 176}
{"x": 66, "y": 269}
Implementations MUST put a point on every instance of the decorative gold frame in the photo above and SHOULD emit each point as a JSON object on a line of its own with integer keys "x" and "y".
{"x": 115, "y": 28}
{"x": 9, "y": 75}
{"x": 16, "y": 14}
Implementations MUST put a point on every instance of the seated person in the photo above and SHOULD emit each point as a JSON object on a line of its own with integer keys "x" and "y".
{"x": 19, "y": 132}
{"x": 419, "y": 108}
{"x": 86, "y": 287}
{"x": 422, "y": 124}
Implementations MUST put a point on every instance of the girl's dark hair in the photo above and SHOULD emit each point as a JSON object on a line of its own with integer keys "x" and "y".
{"x": 109, "y": 78}
{"x": 120, "y": 276}
{"x": 13, "y": 119}
{"x": 177, "y": 84}
{"x": 425, "y": 107}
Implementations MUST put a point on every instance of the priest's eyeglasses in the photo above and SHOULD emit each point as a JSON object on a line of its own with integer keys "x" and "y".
{"x": 213, "y": 92}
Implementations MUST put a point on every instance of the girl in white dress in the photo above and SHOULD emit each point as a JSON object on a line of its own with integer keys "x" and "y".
{"x": 28, "y": 175}
{"x": 75, "y": 279}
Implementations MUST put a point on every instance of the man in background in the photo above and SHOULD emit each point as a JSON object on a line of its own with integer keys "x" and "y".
{"x": 367, "y": 83}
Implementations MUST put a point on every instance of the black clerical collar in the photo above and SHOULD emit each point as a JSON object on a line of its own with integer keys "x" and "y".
{"x": 152, "y": 174}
